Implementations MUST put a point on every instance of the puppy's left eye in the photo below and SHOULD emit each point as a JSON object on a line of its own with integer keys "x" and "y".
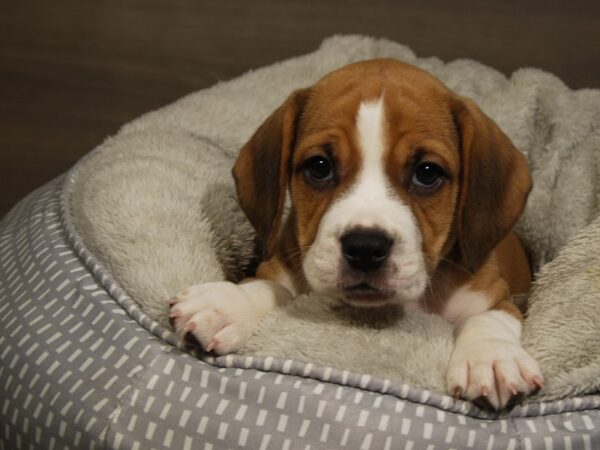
{"x": 318, "y": 169}
{"x": 427, "y": 176}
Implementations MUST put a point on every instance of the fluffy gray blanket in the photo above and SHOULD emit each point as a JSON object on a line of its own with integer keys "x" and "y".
{"x": 156, "y": 204}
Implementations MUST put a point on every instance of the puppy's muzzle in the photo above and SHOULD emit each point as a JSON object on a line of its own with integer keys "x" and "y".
{"x": 366, "y": 249}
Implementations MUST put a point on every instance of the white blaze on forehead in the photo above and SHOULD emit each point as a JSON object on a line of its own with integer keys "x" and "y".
{"x": 364, "y": 202}
{"x": 370, "y": 122}
{"x": 371, "y": 201}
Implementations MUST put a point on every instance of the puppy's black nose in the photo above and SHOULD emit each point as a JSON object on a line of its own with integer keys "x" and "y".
{"x": 366, "y": 249}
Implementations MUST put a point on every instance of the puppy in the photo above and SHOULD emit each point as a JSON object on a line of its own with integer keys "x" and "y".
{"x": 401, "y": 192}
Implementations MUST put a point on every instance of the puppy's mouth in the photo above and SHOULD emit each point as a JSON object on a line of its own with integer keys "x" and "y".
{"x": 365, "y": 294}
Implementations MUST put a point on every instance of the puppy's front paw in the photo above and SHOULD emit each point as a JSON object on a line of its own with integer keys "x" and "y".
{"x": 492, "y": 373}
{"x": 219, "y": 315}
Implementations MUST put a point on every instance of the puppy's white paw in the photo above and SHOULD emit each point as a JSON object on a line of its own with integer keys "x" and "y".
{"x": 492, "y": 373}
{"x": 221, "y": 316}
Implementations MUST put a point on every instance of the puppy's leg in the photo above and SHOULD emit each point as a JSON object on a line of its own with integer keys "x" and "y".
{"x": 222, "y": 316}
{"x": 488, "y": 364}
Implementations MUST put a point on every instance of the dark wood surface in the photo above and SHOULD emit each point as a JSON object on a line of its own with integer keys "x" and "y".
{"x": 73, "y": 71}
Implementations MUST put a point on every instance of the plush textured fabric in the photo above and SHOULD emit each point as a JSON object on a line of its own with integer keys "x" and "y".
{"x": 156, "y": 204}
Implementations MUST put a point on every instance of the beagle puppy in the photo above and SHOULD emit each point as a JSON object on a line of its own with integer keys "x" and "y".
{"x": 401, "y": 192}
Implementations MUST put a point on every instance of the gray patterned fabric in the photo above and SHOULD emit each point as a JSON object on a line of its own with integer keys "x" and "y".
{"x": 82, "y": 366}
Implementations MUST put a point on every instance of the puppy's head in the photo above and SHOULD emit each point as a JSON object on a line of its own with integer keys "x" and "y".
{"x": 388, "y": 173}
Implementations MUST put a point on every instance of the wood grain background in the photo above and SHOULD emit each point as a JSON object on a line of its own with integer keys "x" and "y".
{"x": 73, "y": 71}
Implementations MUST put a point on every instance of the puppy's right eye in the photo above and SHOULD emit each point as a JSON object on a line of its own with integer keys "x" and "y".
{"x": 427, "y": 175}
{"x": 318, "y": 170}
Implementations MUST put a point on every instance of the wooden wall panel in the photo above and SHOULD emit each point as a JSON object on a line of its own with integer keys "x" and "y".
{"x": 73, "y": 71}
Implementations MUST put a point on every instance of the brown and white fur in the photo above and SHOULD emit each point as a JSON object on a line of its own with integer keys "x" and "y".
{"x": 369, "y": 232}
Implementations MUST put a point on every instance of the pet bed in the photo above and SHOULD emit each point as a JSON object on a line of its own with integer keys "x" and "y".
{"x": 87, "y": 359}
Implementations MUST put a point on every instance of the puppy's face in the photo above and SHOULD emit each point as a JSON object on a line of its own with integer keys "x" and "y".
{"x": 374, "y": 183}
{"x": 387, "y": 172}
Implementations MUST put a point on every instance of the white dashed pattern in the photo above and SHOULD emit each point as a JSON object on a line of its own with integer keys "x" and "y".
{"x": 81, "y": 366}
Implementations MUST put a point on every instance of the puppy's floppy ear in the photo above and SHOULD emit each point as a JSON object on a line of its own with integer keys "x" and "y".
{"x": 262, "y": 169}
{"x": 494, "y": 183}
